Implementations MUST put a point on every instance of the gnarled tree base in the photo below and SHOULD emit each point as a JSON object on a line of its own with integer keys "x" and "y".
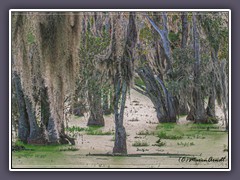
{"x": 65, "y": 139}
{"x": 37, "y": 141}
{"x": 120, "y": 146}
{"x": 95, "y": 121}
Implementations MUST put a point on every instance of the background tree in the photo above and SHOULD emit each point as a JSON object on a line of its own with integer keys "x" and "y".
{"x": 153, "y": 77}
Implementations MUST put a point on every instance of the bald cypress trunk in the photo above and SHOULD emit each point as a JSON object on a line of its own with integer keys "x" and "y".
{"x": 120, "y": 145}
{"x": 184, "y": 30}
{"x": 96, "y": 112}
{"x": 23, "y": 124}
{"x": 34, "y": 129}
{"x": 198, "y": 99}
{"x": 45, "y": 108}
{"x": 210, "y": 110}
{"x": 162, "y": 101}
{"x": 183, "y": 107}
{"x": 106, "y": 108}
{"x": 123, "y": 59}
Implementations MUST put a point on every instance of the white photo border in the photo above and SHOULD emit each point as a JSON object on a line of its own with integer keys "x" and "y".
{"x": 116, "y": 169}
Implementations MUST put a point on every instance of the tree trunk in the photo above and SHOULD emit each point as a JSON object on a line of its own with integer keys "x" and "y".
{"x": 35, "y": 135}
{"x": 164, "y": 38}
{"x": 153, "y": 92}
{"x": 23, "y": 124}
{"x": 53, "y": 134}
{"x": 166, "y": 111}
{"x": 190, "y": 115}
{"x": 183, "y": 107}
{"x": 225, "y": 93}
{"x": 45, "y": 108}
{"x": 106, "y": 106}
{"x": 169, "y": 101}
{"x": 96, "y": 113}
{"x": 184, "y": 30}
{"x": 120, "y": 145}
{"x": 198, "y": 100}
{"x": 210, "y": 110}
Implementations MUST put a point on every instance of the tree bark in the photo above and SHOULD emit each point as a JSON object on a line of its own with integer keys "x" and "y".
{"x": 166, "y": 112}
{"x": 165, "y": 42}
{"x": 183, "y": 107}
{"x": 169, "y": 101}
{"x": 23, "y": 124}
{"x": 123, "y": 59}
{"x": 106, "y": 100}
{"x": 45, "y": 108}
{"x": 96, "y": 112}
{"x": 225, "y": 93}
{"x": 198, "y": 100}
{"x": 184, "y": 30}
{"x": 120, "y": 145}
{"x": 53, "y": 134}
{"x": 211, "y": 105}
{"x": 210, "y": 110}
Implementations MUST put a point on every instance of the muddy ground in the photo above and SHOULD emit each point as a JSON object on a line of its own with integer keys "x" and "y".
{"x": 204, "y": 149}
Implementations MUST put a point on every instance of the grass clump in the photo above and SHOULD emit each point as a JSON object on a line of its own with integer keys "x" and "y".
{"x": 91, "y": 130}
{"x": 140, "y": 143}
{"x": 75, "y": 129}
{"x": 205, "y": 126}
{"x": 94, "y": 130}
{"x": 145, "y": 132}
{"x": 99, "y": 132}
{"x": 188, "y": 131}
{"x": 166, "y": 126}
{"x": 185, "y": 144}
{"x": 69, "y": 149}
{"x": 164, "y": 135}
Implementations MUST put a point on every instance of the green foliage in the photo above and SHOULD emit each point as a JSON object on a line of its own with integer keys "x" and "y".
{"x": 146, "y": 35}
{"x": 182, "y": 75}
{"x": 174, "y": 37}
{"x": 90, "y": 79}
{"x": 216, "y": 29}
{"x": 139, "y": 82}
{"x": 30, "y": 38}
